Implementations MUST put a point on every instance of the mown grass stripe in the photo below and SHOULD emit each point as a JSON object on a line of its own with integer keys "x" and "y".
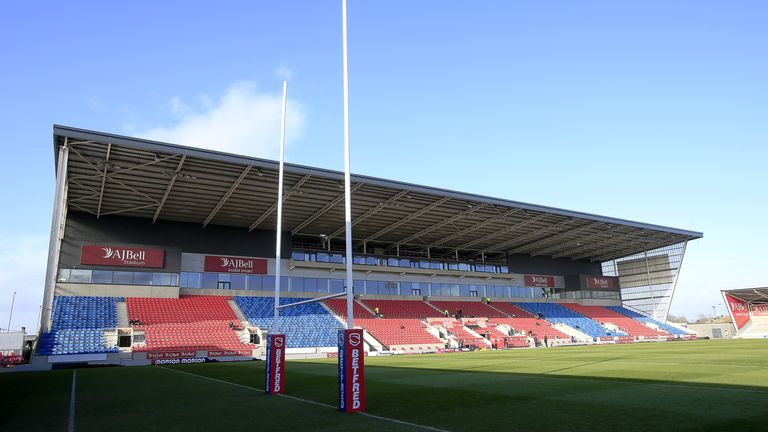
{"x": 324, "y": 405}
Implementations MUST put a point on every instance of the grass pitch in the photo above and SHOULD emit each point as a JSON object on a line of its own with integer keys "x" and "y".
{"x": 673, "y": 386}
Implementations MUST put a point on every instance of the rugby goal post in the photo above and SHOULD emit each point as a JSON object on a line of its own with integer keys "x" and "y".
{"x": 351, "y": 351}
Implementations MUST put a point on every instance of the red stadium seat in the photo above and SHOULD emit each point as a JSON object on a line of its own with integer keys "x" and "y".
{"x": 398, "y": 331}
{"x": 339, "y": 307}
{"x": 186, "y": 323}
{"x": 402, "y": 308}
{"x": 469, "y": 308}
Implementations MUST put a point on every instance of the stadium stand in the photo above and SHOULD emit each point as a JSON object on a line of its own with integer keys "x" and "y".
{"x": 203, "y": 335}
{"x": 756, "y": 327}
{"x": 403, "y": 308}
{"x": 523, "y": 321}
{"x": 500, "y": 339}
{"x": 489, "y": 332}
{"x": 645, "y": 319}
{"x": 533, "y": 326}
{"x": 626, "y": 324}
{"x": 465, "y": 338}
{"x": 512, "y": 310}
{"x": 468, "y": 308}
{"x": 394, "y": 333}
{"x": 305, "y": 326}
{"x": 556, "y": 313}
{"x": 78, "y": 325}
{"x": 187, "y": 322}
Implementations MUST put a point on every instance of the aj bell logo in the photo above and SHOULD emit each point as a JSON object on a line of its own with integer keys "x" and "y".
{"x": 236, "y": 263}
{"x": 738, "y": 307}
{"x": 123, "y": 254}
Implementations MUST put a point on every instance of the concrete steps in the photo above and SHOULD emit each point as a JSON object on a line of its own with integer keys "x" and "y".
{"x": 570, "y": 331}
{"x": 236, "y": 310}
{"x": 122, "y": 315}
{"x": 490, "y": 305}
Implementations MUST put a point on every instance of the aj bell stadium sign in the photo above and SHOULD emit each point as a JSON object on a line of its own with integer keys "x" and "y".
{"x": 229, "y": 264}
{"x": 122, "y": 256}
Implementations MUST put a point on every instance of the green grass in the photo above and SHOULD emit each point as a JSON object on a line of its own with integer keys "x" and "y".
{"x": 675, "y": 386}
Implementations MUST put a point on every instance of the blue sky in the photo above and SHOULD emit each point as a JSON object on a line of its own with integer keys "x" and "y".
{"x": 651, "y": 111}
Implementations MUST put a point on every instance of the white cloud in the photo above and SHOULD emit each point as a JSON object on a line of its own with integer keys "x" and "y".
{"x": 283, "y": 72}
{"x": 179, "y": 108}
{"x": 22, "y": 269}
{"x": 243, "y": 121}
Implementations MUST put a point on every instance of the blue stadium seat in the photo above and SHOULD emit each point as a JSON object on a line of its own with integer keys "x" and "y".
{"x": 78, "y": 325}
{"x": 558, "y": 314}
{"x": 646, "y": 319}
{"x": 305, "y": 326}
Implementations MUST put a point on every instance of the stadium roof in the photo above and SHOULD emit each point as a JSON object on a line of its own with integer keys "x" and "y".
{"x": 111, "y": 174}
{"x": 750, "y": 295}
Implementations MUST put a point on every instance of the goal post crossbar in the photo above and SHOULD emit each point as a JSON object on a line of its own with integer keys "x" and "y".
{"x": 312, "y": 300}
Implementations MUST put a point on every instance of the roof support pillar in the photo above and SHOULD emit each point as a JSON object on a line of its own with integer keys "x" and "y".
{"x": 168, "y": 188}
{"x": 54, "y": 243}
{"x": 331, "y": 204}
{"x": 272, "y": 208}
{"x": 227, "y": 195}
{"x": 103, "y": 180}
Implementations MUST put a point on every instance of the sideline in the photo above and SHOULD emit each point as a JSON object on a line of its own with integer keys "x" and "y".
{"x": 325, "y": 405}
{"x": 71, "y": 422}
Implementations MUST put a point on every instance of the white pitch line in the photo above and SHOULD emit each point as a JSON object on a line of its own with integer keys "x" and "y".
{"x": 71, "y": 422}
{"x": 402, "y": 422}
{"x": 214, "y": 379}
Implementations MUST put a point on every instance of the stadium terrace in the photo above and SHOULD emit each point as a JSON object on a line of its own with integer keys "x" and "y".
{"x": 161, "y": 252}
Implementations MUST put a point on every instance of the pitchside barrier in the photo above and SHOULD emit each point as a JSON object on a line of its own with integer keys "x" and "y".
{"x": 351, "y": 363}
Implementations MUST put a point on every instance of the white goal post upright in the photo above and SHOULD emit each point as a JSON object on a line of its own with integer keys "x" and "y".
{"x": 347, "y": 180}
{"x": 276, "y": 342}
{"x": 351, "y": 345}
{"x": 278, "y": 240}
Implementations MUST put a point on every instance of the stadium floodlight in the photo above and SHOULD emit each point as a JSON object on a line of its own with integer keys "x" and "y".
{"x": 10, "y": 316}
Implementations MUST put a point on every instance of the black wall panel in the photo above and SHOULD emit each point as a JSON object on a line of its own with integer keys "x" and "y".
{"x": 174, "y": 237}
